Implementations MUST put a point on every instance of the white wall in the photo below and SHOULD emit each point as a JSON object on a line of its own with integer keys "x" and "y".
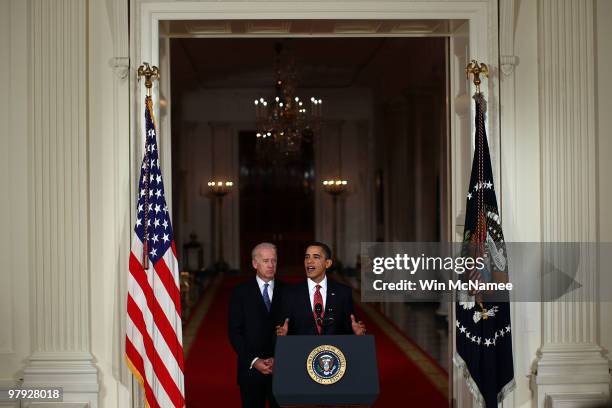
{"x": 14, "y": 200}
{"x": 521, "y": 188}
{"x": 604, "y": 130}
{"x": 110, "y": 199}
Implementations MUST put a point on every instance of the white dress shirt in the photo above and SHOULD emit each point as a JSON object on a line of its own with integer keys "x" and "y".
{"x": 312, "y": 288}
{"x": 261, "y": 284}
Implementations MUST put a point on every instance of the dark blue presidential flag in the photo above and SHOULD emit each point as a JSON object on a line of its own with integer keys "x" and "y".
{"x": 483, "y": 328}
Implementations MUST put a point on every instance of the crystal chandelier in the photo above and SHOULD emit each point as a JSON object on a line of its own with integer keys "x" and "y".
{"x": 287, "y": 120}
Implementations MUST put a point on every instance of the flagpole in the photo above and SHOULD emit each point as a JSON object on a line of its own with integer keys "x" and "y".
{"x": 150, "y": 74}
{"x": 476, "y": 70}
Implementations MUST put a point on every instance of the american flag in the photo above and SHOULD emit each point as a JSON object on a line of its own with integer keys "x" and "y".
{"x": 154, "y": 339}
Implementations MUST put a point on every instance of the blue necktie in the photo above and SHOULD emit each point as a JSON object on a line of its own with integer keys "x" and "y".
{"x": 266, "y": 297}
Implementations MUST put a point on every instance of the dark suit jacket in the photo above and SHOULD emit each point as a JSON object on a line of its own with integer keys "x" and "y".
{"x": 339, "y": 304}
{"x": 251, "y": 327}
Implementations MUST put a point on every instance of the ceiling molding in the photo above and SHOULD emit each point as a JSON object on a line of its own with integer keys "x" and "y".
{"x": 208, "y": 27}
{"x": 415, "y": 27}
{"x": 357, "y": 27}
{"x": 268, "y": 27}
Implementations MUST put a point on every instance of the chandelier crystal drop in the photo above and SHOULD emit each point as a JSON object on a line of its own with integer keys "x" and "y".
{"x": 284, "y": 122}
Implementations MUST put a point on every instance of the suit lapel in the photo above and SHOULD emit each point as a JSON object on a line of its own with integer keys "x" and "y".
{"x": 307, "y": 307}
{"x": 330, "y": 302}
{"x": 276, "y": 295}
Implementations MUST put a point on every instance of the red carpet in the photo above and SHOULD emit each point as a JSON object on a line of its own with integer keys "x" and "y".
{"x": 210, "y": 368}
{"x": 210, "y": 378}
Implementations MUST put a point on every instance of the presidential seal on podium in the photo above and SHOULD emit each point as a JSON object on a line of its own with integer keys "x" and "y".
{"x": 326, "y": 364}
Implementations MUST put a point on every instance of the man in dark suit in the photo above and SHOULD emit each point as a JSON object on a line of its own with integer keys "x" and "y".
{"x": 319, "y": 305}
{"x": 254, "y": 309}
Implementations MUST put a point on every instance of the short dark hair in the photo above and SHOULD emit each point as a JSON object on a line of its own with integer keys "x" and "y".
{"x": 324, "y": 247}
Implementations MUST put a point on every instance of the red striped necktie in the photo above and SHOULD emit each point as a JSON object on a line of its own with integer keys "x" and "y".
{"x": 318, "y": 300}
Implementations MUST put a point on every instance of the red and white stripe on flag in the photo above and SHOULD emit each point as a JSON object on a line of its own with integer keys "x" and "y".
{"x": 154, "y": 343}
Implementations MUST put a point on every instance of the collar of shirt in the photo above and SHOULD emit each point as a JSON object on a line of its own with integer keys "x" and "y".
{"x": 312, "y": 289}
{"x": 261, "y": 284}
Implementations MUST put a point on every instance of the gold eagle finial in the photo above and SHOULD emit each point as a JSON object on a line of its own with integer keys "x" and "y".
{"x": 150, "y": 73}
{"x": 476, "y": 69}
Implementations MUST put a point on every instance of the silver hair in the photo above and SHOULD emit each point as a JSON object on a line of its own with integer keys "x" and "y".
{"x": 263, "y": 245}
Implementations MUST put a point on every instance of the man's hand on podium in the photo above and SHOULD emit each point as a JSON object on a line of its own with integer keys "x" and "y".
{"x": 264, "y": 366}
{"x": 358, "y": 327}
{"x": 282, "y": 330}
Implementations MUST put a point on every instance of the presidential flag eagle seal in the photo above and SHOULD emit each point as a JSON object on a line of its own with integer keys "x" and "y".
{"x": 326, "y": 364}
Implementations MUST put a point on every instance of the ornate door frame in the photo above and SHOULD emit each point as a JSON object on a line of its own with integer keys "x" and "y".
{"x": 478, "y": 35}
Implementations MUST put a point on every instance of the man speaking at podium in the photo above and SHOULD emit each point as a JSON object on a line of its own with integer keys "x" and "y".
{"x": 319, "y": 306}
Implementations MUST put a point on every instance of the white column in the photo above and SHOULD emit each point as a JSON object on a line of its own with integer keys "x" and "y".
{"x": 426, "y": 133}
{"x": 15, "y": 333}
{"x": 357, "y": 215}
{"x": 110, "y": 195}
{"x": 187, "y": 184}
{"x": 520, "y": 170}
{"x": 326, "y": 167}
{"x": 398, "y": 150}
{"x": 61, "y": 345}
{"x": 570, "y": 361}
{"x": 227, "y": 168}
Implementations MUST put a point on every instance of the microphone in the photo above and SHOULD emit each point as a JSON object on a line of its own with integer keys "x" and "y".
{"x": 328, "y": 320}
{"x": 318, "y": 311}
{"x": 329, "y": 317}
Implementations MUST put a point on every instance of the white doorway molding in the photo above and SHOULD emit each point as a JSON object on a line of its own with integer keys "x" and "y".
{"x": 479, "y": 40}
{"x": 481, "y": 17}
